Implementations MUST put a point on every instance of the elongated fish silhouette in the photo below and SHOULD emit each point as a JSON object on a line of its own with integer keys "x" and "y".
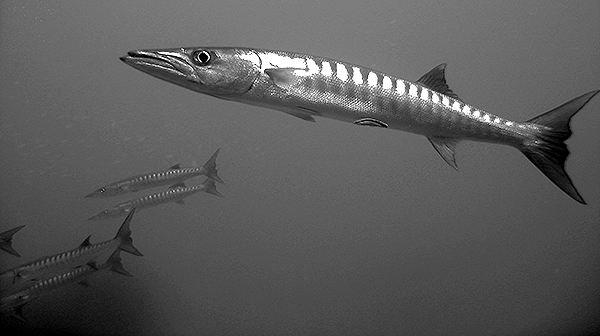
{"x": 173, "y": 175}
{"x": 13, "y": 303}
{"x": 6, "y": 240}
{"x": 306, "y": 86}
{"x": 175, "y": 194}
{"x": 85, "y": 253}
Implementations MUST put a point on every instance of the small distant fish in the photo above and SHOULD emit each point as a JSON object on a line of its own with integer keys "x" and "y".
{"x": 13, "y": 303}
{"x": 175, "y": 194}
{"x": 307, "y": 86}
{"x": 173, "y": 175}
{"x": 6, "y": 240}
{"x": 58, "y": 263}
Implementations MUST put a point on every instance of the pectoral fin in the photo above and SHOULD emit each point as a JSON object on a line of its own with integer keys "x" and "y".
{"x": 445, "y": 147}
{"x": 285, "y": 78}
{"x": 370, "y": 122}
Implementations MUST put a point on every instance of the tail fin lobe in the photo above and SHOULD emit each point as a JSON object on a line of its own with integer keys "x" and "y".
{"x": 114, "y": 262}
{"x": 210, "y": 167}
{"x": 548, "y": 152}
{"x": 124, "y": 236}
{"x": 7, "y": 240}
{"x": 210, "y": 187}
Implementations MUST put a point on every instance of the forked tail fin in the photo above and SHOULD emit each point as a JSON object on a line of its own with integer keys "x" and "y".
{"x": 210, "y": 187}
{"x": 124, "y": 236}
{"x": 548, "y": 150}
{"x": 210, "y": 167}
{"x": 7, "y": 240}
{"x": 114, "y": 262}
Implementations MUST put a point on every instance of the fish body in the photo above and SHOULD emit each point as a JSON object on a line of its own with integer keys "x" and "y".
{"x": 309, "y": 86}
{"x": 6, "y": 240}
{"x": 175, "y": 194}
{"x": 171, "y": 176}
{"x": 15, "y": 278}
{"x": 13, "y": 303}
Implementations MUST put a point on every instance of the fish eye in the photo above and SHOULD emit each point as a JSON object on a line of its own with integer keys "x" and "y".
{"x": 202, "y": 57}
{"x": 102, "y": 190}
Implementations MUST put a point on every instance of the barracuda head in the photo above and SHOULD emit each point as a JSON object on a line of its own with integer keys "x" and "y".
{"x": 106, "y": 191}
{"x": 219, "y": 72}
{"x": 115, "y": 211}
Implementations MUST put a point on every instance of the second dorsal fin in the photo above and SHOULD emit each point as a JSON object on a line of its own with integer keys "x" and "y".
{"x": 435, "y": 80}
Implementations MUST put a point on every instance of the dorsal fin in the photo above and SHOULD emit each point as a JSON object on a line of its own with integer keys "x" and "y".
{"x": 435, "y": 80}
{"x": 175, "y": 166}
{"x": 86, "y": 242}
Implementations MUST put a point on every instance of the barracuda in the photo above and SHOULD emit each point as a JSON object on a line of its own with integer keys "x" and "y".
{"x": 173, "y": 175}
{"x": 175, "y": 194}
{"x": 13, "y": 303}
{"x": 307, "y": 86}
{"x": 85, "y": 253}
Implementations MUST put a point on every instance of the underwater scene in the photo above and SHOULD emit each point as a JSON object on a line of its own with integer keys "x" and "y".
{"x": 203, "y": 168}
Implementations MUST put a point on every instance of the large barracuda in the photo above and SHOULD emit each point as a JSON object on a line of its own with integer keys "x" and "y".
{"x": 173, "y": 175}
{"x": 15, "y": 278}
{"x": 175, "y": 194}
{"x": 306, "y": 86}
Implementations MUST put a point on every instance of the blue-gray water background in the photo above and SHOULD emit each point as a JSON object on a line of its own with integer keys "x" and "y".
{"x": 325, "y": 228}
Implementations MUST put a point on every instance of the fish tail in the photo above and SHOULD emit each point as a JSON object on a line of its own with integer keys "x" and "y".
{"x": 114, "y": 262}
{"x": 548, "y": 151}
{"x": 210, "y": 187}
{"x": 124, "y": 236}
{"x": 7, "y": 238}
{"x": 210, "y": 167}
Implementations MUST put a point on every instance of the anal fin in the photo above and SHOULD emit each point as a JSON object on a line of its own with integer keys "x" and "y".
{"x": 445, "y": 147}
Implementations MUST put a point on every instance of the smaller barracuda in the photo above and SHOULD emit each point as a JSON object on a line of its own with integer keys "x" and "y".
{"x": 13, "y": 303}
{"x": 175, "y": 194}
{"x": 307, "y": 86}
{"x": 171, "y": 176}
{"x": 6, "y": 240}
{"x": 13, "y": 279}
